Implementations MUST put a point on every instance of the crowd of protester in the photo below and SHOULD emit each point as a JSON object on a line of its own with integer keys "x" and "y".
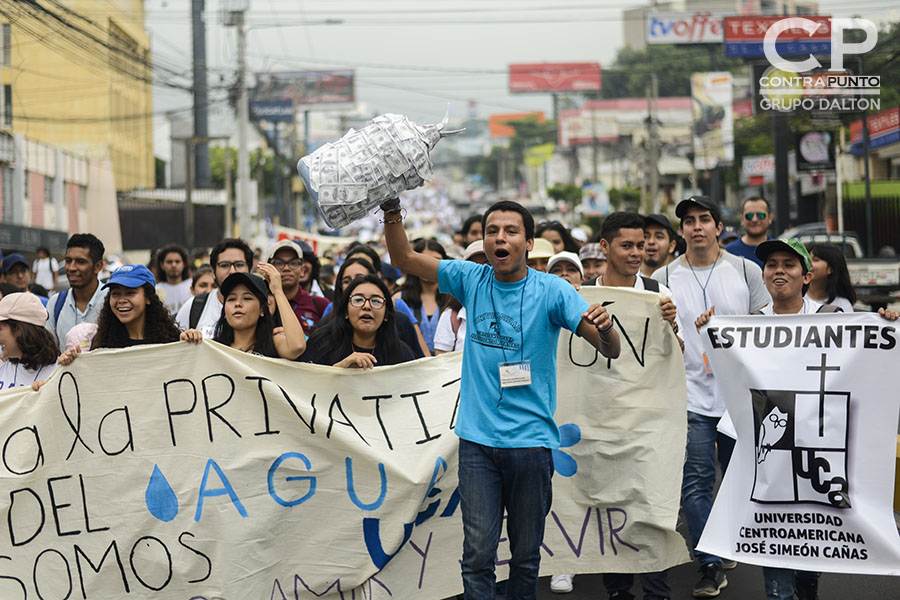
{"x": 358, "y": 310}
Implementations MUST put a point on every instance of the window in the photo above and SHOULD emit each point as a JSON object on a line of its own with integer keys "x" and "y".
{"x": 6, "y": 45}
{"x": 7, "y": 105}
{"x": 82, "y": 197}
{"x": 48, "y": 191}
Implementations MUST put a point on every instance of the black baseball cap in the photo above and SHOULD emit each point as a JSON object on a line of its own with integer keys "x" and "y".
{"x": 701, "y": 201}
{"x": 661, "y": 220}
{"x": 254, "y": 283}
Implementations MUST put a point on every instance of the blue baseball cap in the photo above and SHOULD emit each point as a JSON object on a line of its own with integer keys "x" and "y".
{"x": 11, "y": 260}
{"x": 131, "y": 276}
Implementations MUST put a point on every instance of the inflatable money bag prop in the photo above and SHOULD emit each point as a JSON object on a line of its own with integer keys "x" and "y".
{"x": 348, "y": 178}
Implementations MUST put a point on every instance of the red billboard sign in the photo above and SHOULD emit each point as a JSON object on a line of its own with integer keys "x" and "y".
{"x": 885, "y": 122}
{"x": 306, "y": 88}
{"x": 554, "y": 77}
{"x": 753, "y": 29}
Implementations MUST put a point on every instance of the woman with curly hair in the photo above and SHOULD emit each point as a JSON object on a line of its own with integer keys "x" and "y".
{"x": 362, "y": 334}
{"x": 423, "y": 296}
{"x": 29, "y": 349}
{"x": 132, "y": 313}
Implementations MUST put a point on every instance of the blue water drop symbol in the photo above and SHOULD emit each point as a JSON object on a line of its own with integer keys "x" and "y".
{"x": 161, "y": 499}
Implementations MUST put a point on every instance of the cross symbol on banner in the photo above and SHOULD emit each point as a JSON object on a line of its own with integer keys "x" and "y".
{"x": 822, "y": 370}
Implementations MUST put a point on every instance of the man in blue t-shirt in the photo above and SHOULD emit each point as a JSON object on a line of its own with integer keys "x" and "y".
{"x": 508, "y": 389}
{"x": 756, "y": 217}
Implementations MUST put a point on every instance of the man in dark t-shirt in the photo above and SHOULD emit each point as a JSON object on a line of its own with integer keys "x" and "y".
{"x": 287, "y": 257}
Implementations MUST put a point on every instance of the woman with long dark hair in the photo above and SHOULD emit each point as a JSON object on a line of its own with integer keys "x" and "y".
{"x": 132, "y": 313}
{"x": 831, "y": 279}
{"x": 361, "y": 264}
{"x": 558, "y": 235}
{"x": 423, "y": 296}
{"x": 248, "y": 323}
{"x": 29, "y": 349}
{"x": 361, "y": 334}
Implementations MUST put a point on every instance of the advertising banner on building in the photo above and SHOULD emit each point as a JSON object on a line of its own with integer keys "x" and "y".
{"x": 554, "y": 77}
{"x": 810, "y": 483}
{"x": 699, "y": 27}
{"x": 203, "y": 472}
{"x": 713, "y": 119}
{"x": 744, "y": 37}
{"x": 306, "y": 88}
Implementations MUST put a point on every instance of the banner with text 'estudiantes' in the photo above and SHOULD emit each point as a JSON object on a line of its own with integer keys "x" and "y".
{"x": 814, "y": 401}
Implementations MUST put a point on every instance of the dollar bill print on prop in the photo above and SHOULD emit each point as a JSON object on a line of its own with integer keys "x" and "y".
{"x": 209, "y": 473}
{"x": 814, "y": 404}
{"x": 350, "y": 177}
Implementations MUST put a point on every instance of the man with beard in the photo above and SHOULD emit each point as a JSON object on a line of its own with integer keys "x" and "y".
{"x": 82, "y": 302}
{"x": 756, "y": 218}
{"x": 174, "y": 289}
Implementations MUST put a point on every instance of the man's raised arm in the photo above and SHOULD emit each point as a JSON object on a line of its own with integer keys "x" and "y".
{"x": 402, "y": 255}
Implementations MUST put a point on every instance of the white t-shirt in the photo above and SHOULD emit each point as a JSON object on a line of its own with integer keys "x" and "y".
{"x": 841, "y": 303}
{"x": 13, "y": 374}
{"x": 734, "y": 286}
{"x": 212, "y": 310}
{"x": 444, "y": 338}
{"x": 173, "y": 296}
{"x": 44, "y": 268}
{"x": 810, "y": 307}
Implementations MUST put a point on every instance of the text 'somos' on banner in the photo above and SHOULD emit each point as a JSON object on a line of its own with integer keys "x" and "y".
{"x": 184, "y": 471}
{"x": 814, "y": 402}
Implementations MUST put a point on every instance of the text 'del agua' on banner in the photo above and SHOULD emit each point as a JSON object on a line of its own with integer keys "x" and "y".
{"x": 183, "y": 471}
{"x": 814, "y": 401}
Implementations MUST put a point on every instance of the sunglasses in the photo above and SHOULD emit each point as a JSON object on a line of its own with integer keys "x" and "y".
{"x": 358, "y": 301}
{"x": 759, "y": 215}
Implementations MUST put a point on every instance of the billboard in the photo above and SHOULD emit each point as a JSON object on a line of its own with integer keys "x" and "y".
{"x": 744, "y": 37}
{"x": 272, "y": 110}
{"x": 699, "y": 27}
{"x": 884, "y": 129}
{"x": 712, "y": 123}
{"x": 758, "y": 169}
{"x": 554, "y": 77}
{"x": 306, "y": 88}
{"x": 497, "y": 124}
{"x": 584, "y": 126}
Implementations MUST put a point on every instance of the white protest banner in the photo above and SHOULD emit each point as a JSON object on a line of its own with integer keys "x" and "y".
{"x": 200, "y": 472}
{"x": 814, "y": 401}
{"x": 623, "y": 425}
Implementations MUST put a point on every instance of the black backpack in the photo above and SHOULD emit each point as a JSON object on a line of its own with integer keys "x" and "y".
{"x": 197, "y": 305}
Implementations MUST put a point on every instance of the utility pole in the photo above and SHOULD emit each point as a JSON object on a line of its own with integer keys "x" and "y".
{"x": 243, "y": 166}
{"x": 201, "y": 97}
{"x": 190, "y": 143}
{"x": 653, "y": 143}
{"x": 277, "y": 172}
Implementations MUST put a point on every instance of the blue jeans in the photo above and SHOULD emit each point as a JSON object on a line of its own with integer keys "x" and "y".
{"x": 782, "y": 583}
{"x": 491, "y": 479}
{"x": 655, "y": 585}
{"x": 700, "y": 475}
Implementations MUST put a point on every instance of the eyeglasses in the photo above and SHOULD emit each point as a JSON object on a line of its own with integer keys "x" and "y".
{"x": 278, "y": 263}
{"x": 225, "y": 265}
{"x": 761, "y": 215}
{"x": 358, "y": 301}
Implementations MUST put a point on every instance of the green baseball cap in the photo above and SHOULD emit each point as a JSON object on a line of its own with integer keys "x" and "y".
{"x": 785, "y": 245}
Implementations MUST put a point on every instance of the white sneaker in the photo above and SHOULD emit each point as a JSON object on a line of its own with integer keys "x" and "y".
{"x": 561, "y": 584}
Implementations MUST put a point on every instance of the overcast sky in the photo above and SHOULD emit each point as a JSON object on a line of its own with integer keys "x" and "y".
{"x": 410, "y": 57}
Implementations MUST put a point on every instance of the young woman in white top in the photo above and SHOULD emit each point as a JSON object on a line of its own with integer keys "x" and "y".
{"x": 29, "y": 349}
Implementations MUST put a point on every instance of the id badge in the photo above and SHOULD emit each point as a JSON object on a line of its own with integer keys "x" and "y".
{"x": 515, "y": 374}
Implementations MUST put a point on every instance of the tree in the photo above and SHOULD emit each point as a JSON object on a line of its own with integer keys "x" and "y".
{"x": 258, "y": 161}
{"x": 630, "y": 73}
